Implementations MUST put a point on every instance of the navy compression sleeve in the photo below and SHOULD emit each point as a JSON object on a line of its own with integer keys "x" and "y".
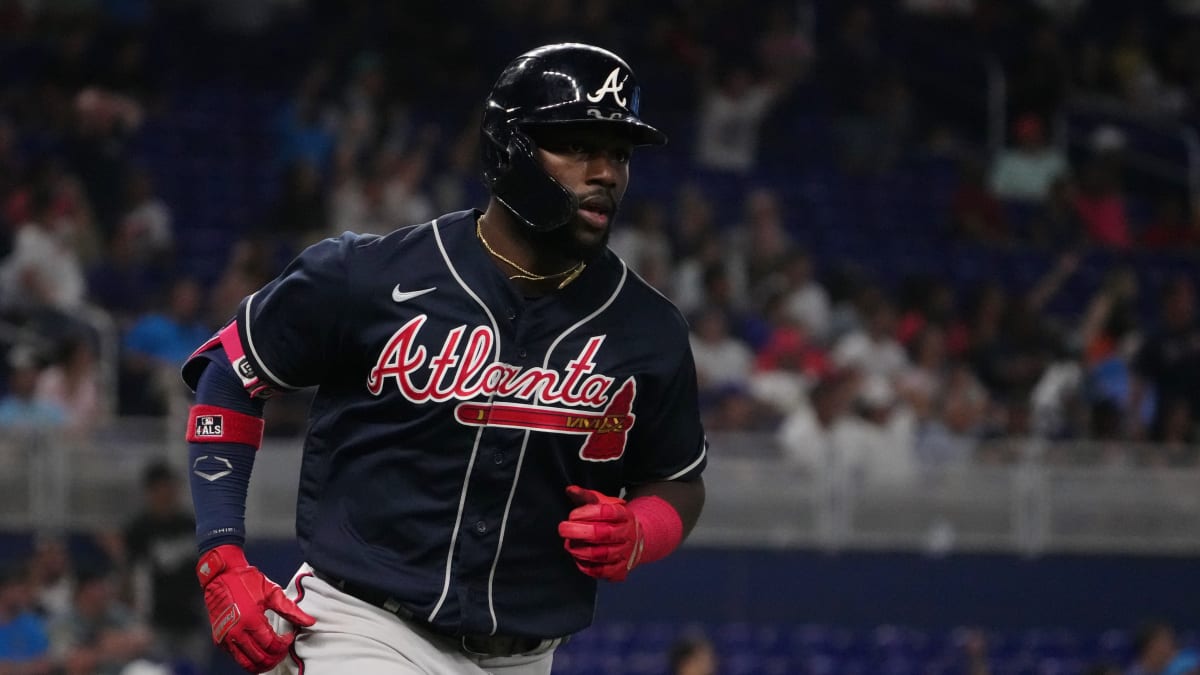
{"x": 220, "y": 472}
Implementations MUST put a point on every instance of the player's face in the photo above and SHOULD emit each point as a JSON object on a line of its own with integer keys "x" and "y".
{"x": 594, "y": 164}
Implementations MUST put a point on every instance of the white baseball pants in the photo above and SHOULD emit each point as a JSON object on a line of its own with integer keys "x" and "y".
{"x": 352, "y": 636}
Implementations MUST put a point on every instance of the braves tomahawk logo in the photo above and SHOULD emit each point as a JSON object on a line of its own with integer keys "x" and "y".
{"x": 546, "y": 400}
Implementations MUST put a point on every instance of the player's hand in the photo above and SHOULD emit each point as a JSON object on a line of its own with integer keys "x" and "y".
{"x": 602, "y": 534}
{"x": 238, "y": 597}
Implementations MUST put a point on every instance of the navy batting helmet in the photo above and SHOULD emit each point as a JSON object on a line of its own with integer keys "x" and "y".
{"x": 558, "y": 84}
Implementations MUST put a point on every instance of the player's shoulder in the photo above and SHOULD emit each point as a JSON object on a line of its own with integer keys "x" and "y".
{"x": 645, "y": 303}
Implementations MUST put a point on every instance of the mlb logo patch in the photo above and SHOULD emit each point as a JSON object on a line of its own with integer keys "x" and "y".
{"x": 209, "y": 426}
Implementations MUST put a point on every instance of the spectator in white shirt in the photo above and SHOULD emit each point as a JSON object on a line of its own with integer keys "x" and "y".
{"x": 721, "y": 359}
{"x": 761, "y": 241}
{"x": 643, "y": 244}
{"x": 873, "y": 349}
{"x": 921, "y": 384}
{"x": 359, "y": 205}
{"x": 731, "y": 114}
{"x": 148, "y": 218}
{"x": 951, "y": 435}
{"x": 73, "y": 385}
{"x": 716, "y": 274}
{"x": 403, "y": 197}
{"x": 852, "y": 431}
{"x": 43, "y": 270}
{"x": 808, "y": 435}
{"x": 1025, "y": 173}
{"x": 882, "y": 431}
{"x": 805, "y": 300}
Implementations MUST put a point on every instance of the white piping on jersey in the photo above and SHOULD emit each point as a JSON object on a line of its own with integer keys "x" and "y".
{"x": 521, "y": 457}
{"x": 250, "y": 344}
{"x": 650, "y": 286}
{"x": 462, "y": 497}
{"x": 503, "y": 529}
{"x": 689, "y": 467}
{"x": 589, "y": 317}
{"x": 704, "y": 442}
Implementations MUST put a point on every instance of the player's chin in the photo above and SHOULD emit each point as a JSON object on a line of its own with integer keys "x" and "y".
{"x": 587, "y": 239}
{"x": 577, "y": 240}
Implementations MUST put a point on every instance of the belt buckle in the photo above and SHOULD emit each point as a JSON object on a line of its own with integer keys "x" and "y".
{"x": 503, "y": 645}
{"x": 478, "y": 645}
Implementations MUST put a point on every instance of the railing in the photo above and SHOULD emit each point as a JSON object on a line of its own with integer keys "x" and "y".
{"x": 756, "y": 498}
{"x": 107, "y": 355}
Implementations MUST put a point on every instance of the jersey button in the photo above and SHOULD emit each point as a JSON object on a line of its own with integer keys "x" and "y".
{"x": 512, "y": 314}
{"x": 481, "y": 527}
{"x": 522, "y": 353}
{"x": 498, "y": 458}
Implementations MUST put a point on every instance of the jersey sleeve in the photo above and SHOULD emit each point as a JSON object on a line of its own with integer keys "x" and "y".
{"x": 285, "y": 335}
{"x": 668, "y": 441}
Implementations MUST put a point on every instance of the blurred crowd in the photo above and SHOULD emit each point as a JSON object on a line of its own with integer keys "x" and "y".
{"x": 130, "y": 605}
{"x": 376, "y": 127}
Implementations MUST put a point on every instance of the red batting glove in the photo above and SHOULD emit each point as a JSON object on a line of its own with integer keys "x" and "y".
{"x": 238, "y": 596}
{"x": 602, "y": 534}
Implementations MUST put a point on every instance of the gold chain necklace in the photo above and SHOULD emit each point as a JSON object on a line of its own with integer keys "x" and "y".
{"x": 571, "y": 274}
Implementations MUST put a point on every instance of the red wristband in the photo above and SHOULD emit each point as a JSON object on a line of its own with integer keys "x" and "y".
{"x": 214, "y": 424}
{"x": 662, "y": 528}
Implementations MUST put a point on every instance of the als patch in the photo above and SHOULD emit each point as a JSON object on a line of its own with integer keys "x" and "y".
{"x": 214, "y": 424}
{"x": 209, "y": 426}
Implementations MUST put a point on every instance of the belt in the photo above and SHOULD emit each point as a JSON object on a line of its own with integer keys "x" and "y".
{"x": 475, "y": 645}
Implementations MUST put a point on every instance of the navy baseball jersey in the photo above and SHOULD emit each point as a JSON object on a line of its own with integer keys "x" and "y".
{"x": 451, "y": 413}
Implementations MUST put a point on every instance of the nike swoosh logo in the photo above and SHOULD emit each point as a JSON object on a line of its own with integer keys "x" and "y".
{"x": 403, "y": 296}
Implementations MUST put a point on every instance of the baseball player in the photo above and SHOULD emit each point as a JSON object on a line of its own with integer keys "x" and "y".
{"x": 504, "y": 413}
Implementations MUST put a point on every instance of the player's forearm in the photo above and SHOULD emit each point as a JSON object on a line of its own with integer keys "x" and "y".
{"x": 225, "y": 430}
{"x": 686, "y": 497}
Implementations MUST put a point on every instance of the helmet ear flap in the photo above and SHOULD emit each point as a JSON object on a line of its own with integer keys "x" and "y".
{"x": 504, "y": 154}
{"x": 519, "y": 143}
{"x": 525, "y": 188}
{"x": 496, "y": 154}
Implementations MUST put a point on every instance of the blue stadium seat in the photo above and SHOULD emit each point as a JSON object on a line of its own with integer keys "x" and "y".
{"x": 748, "y": 648}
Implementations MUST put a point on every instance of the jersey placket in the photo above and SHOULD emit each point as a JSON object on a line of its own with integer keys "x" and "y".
{"x": 493, "y": 485}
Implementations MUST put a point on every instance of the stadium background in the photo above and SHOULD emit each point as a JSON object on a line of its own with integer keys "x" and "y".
{"x": 938, "y": 256}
